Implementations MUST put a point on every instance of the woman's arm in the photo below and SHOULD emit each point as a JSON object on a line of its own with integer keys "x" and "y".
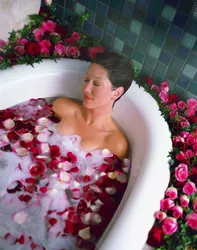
{"x": 63, "y": 106}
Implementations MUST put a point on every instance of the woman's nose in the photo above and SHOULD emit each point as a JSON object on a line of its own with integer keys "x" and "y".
{"x": 88, "y": 87}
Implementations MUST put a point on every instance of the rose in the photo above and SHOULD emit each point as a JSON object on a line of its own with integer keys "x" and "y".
{"x": 181, "y": 172}
{"x": 48, "y": 26}
{"x": 33, "y": 48}
{"x": 189, "y": 112}
{"x": 1, "y": 43}
{"x": 164, "y": 86}
{"x": 45, "y": 47}
{"x": 192, "y": 220}
{"x": 94, "y": 50}
{"x": 163, "y": 96}
{"x": 179, "y": 142}
{"x": 193, "y": 120}
{"x": 184, "y": 134}
{"x": 189, "y": 153}
{"x": 181, "y": 105}
{"x": 189, "y": 188}
{"x": 184, "y": 200}
{"x": 59, "y": 49}
{"x": 194, "y": 203}
{"x": 61, "y": 30}
{"x": 1, "y": 58}
{"x": 160, "y": 215}
{"x": 169, "y": 225}
{"x": 20, "y": 50}
{"x": 37, "y": 169}
{"x": 173, "y": 113}
{"x": 21, "y": 41}
{"x": 184, "y": 124}
{"x": 155, "y": 237}
{"x": 190, "y": 139}
{"x": 147, "y": 79}
{"x": 166, "y": 204}
{"x": 171, "y": 192}
{"x": 48, "y": 2}
{"x": 156, "y": 88}
{"x": 192, "y": 103}
{"x": 173, "y": 106}
{"x": 72, "y": 51}
{"x": 38, "y": 33}
{"x": 177, "y": 212}
{"x": 76, "y": 36}
{"x": 173, "y": 98}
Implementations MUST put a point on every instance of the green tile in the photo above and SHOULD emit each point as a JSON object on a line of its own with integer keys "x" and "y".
{"x": 189, "y": 71}
{"x": 137, "y": 65}
{"x": 79, "y": 9}
{"x": 189, "y": 95}
{"x": 146, "y": 71}
{"x": 158, "y": 39}
{"x": 188, "y": 40}
{"x": 91, "y": 16}
{"x": 155, "y": 7}
{"x": 112, "y": 15}
{"x": 91, "y": 4}
{"x": 157, "y": 79}
{"x": 170, "y": 85}
{"x": 195, "y": 77}
{"x": 120, "y": 32}
{"x": 170, "y": 45}
{"x": 147, "y": 33}
{"x": 163, "y": 26}
{"x": 195, "y": 47}
{"x": 149, "y": 62}
{"x": 100, "y": 21}
{"x": 193, "y": 87}
{"x": 123, "y": 21}
{"x": 118, "y": 44}
{"x": 115, "y": 4}
{"x": 127, "y": 50}
{"x": 69, "y": 5}
{"x": 179, "y": 91}
{"x": 192, "y": 59}
{"x": 171, "y": 75}
{"x": 60, "y": 12}
{"x": 132, "y": 1}
{"x": 107, "y": 39}
{"x": 160, "y": 69}
{"x": 142, "y": 45}
{"x": 139, "y": 15}
{"x": 154, "y": 51}
{"x": 138, "y": 56}
{"x": 168, "y": 13}
{"x": 136, "y": 27}
{"x": 177, "y": 64}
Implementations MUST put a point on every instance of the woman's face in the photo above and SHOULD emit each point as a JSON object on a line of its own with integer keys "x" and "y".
{"x": 97, "y": 87}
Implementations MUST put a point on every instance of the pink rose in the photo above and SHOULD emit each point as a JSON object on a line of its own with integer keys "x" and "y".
{"x": 194, "y": 203}
{"x": 192, "y": 220}
{"x": 21, "y": 41}
{"x": 189, "y": 188}
{"x": 45, "y": 47}
{"x": 173, "y": 113}
{"x": 192, "y": 103}
{"x": 1, "y": 58}
{"x": 163, "y": 96}
{"x": 184, "y": 200}
{"x": 20, "y": 50}
{"x": 190, "y": 140}
{"x": 177, "y": 212}
{"x": 179, "y": 142}
{"x": 38, "y": 33}
{"x": 60, "y": 49}
{"x": 180, "y": 156}
{"x": 94, "y": 50}
{"x": 164, "y": 86}
{"x": 169, "y": 225}
{"x": 160, "y": 215}
{"x": 184, "y": 134}
{"x": 181, "y": 105}
{"x": 184, "y": 124}
{"x": 76, "y": 36}
{"x": 189, "y": 153}
{"x": 173, "y": 106}
{"x": 181, "y": 172}
{"x": 195, "y": 147}
{"x": 48, "y": 26}
{"x": 72, "y": 51}
{"x": 156, "y": 88}
{"x": 189, "y": 112}
{"x": 171, "y": 192}
{"x": 1, "y": 43}
{"x": 166, "y": 204}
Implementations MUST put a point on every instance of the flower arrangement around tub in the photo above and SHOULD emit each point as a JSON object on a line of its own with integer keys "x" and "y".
{"x": 176, "y": 221}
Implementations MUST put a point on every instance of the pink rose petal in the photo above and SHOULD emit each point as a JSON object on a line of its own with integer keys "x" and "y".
{"x": 20, "y": 217}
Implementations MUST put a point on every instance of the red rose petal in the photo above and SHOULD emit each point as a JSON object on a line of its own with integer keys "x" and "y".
{"x": 72, "y": 157}
{"x": 52, "y": 221}
{"x": 43, "y": 189}
{"x": 21, "y": 240}
{"x": 54, "y": 151}
{"x": 31, "y": 180}
{"x": 82, "y": 207}
{"x": 12, "y": 136}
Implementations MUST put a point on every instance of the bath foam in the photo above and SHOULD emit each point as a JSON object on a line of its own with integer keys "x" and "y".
{"x": 59, "y": 198}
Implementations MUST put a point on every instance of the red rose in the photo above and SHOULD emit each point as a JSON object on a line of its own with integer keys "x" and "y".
{"x": 37, "y": 169}
{"x": 33, "y": 48}
{"x": 155, "y": 237}
{"x": 94, "y": 50}
{"x": 173, "y": 98}
{"x": 193, "y": 120}
{"x": 61, "y": 30}
{"x": 147, "y": 79}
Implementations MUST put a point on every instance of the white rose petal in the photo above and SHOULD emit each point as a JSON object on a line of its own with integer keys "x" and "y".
{"x": 8, "y": 124}
{"x": 20, "y": 217}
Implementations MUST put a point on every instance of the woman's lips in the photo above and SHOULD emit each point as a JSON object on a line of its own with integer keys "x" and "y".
{"x": 87, "y": 98}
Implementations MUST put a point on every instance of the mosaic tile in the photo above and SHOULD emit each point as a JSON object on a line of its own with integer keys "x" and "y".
{"x": 118, "y": 44}
{"x": 195, "y": 77}
{"x": 150, "y": 62}
{"x": 124, "y": 21}
{"x": 168, "y": 13}
{"x": 139, "y": 14}
{"x": 91, "y": 16}
{"x": 61, "y": 2}
{"x": 115, "y": 4}
{"x": 136, "y": 27}
{"x": 195, "y": 47}
{"x": 138, "y": 56}
{"x": 183, "y": 81}
{"x": 99, "y": 21}
{"x": 193, "y": 87}
{"x": 176, "y": 64}
{"x": 110, "y": 27}
{"x": 180, "y": 20}
{"x": 60, "y": 12}
{"x": 170, "y": 85}
{"x": 120, "y": 32}
{"x": 137, "y": 65}
{"x": 70, "y": 5}
{"x": 105, "y": 1}
{"x": 163, "y": 26}
{"x": 101, "y": 9}
{"x": 188, "y": 40}
{"x": 97, "y": 32}
{"x": 160, "y": 69}
{"x": 147, "y": 33}
{"x": 151, "y": 20}
{"x": 91, "y": 4}
{"x": 158, "y": 39}
{"x": 157, "y": 78}
{"x": 154, "y": 51}
{"x": 175, "y": 32}
{"x": 107, "y": 39}
{"x": 142, "y": 45}
{"x": 112, "y": 15}
{"x": 179, "y": 91}
{"x": 182, "y": 52}
{"x": 143, "y": 3}
{"x": 127, "y": 9}
{"x": 185, "y": 6}
{"x": 131, "y": 39}
{"x": 127, "y": 50}
{"x": 88, "y": 27}
{"x": 132, "y": 1}
{"x": 172, "y": 2}
{"x": 146, "y": 71}
{"x": 189, "y": 95}
{"x": 82, "y": 1}
{"x": 191, "y": 27}
{"x": 155, "y": 7}
{"x": 79, "y": 9}
{"x": 171, "y": 75}
{"x": 165, "y": 57}
{"x": 189, "y": 71}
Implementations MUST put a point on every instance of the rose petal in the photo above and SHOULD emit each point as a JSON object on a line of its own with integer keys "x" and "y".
{"x": 85, "y": 233}
{"x": 20, "y": 217}
{"x": 39, "y": 128}
{"x": 44, "y": 147}
{"x": 21, "y": 151}
{"x": 106, "y": 153}
{"x": 64, "y": 176}
{"x": 27, "y": 137}
{"x": 8, "y": 124}
{"x": 43, "y": 121}
{"x": 110, "y": 190}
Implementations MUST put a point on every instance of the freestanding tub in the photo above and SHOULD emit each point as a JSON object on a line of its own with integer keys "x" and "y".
{"x": 137, "y": 114}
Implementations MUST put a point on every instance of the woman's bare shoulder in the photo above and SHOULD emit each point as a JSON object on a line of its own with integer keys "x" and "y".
{"x": 65, "y": 106}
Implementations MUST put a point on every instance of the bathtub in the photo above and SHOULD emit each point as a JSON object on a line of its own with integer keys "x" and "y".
{"x": 137, "y": 115}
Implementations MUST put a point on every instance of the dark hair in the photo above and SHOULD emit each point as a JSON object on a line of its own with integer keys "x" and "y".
{"x": 119, "y": 69}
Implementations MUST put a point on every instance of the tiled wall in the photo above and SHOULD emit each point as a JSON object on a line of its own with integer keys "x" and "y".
{"x": 160, "y": 36}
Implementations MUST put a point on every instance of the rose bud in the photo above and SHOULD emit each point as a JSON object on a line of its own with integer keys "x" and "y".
{"x": 177, "y": 211}
{"x": 160, "y": 215}
{"x": 184, "y": 200}
{"x": 166, "y": 204}
{"x": 169, "y": 225}
{"x": 171, "y": 192}
{"x": 194, "y": 202}
{"x": 189, "y": 188}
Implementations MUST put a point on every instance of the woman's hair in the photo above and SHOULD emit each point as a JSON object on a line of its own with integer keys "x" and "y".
{"x": 119, "y": 69}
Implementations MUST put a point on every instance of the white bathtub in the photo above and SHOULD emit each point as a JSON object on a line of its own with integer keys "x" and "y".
{"x": 148, "y": 134}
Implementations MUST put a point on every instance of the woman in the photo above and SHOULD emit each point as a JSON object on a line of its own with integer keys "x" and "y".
{"x": 107, "y": 79}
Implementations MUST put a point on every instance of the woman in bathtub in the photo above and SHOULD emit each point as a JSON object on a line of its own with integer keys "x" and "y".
{"x": 107, "y": 79}
{"x": 59, "y": 185}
